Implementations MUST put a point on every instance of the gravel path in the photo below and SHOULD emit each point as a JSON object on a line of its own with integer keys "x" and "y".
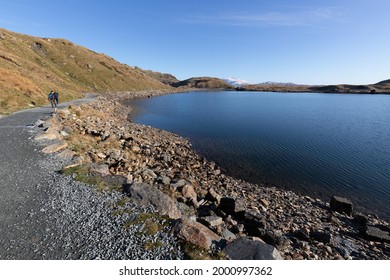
{"x": 46, "y": 215}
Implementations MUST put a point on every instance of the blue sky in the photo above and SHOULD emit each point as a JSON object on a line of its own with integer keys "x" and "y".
{"x": 303, "y": 41}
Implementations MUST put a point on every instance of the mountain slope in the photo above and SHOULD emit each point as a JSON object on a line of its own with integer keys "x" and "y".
{"x": 236, "y": 82}
{"x": 165, "y": 78}
{"x": 204, "y": 83}
{"x": 31, "y": 66}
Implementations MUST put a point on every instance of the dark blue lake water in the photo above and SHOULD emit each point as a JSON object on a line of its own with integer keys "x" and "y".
{"x": 314, "y": 144}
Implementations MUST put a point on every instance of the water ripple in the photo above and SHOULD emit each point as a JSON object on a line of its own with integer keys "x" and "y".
{"x": 317, "y": 144}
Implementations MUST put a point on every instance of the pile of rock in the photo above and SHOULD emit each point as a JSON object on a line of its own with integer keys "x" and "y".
{"x": 212, "y": 210}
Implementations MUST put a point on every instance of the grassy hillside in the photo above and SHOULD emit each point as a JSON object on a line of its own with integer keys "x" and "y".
{"x": 165, "y": 78}
{"x": 204, "y": 83}
{"x": 31, "y": 66}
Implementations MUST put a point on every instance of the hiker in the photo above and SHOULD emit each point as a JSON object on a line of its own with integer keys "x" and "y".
{"x": 55, "y": 98}
{"x": 50, "y": 97}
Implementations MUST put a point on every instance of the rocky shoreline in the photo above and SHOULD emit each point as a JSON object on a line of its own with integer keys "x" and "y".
{"x": 210, "y": 212}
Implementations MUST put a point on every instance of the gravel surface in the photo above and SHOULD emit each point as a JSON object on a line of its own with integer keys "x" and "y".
{"x": 46, "y": 215}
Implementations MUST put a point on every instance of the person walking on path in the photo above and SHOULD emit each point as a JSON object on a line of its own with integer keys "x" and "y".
{"x": 56, "y": 98}
{"x": 50, "y": 97}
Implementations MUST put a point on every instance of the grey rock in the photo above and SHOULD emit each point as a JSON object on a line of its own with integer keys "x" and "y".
{"x": 360, "y": 219}
{"x": 64, "y": 133}
{"x": 67, "y": 129}
{"x": 188, "y": 191}
{"x": 99, "y": 169}
{"x": 238, "y": 228}
{"x": 302, "y": 234}
{"x": 55, "y": 147}
{"x": 273, "y": 237}
{"x": 212, "y": 195}
{"x": 341, "y": 205}
{"x": 196, "y": 233}
{"x": 212, "y": 221}
{"x": 232, "y": 206}
{"x": 244, "y": 248}
{"x": 115, "y": 154}
{"x": 39, "y": 123}
{"x": 146, "y": 194}
{"x": 150, "y": 173}
{"x": 179, "y": 184}
{"x": 165, "y": 180}
{"x": 49, "y": 134}
{"x": 186, "y": 211}
{"x": 228, "y": 235}
{"x": 66, "y": 154}
{"x": 105, "y": 135}
{"x": 377, "y": 233}
{"x": 321, "y": 236}
{"x": 254, "y": 222}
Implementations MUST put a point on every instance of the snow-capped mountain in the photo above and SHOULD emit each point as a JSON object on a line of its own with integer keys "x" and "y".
{"x": 269, "y": 83}
{"x": 236, "y": 82}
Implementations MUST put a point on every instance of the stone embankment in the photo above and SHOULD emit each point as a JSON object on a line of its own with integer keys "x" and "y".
{"x": 209, "y": 210}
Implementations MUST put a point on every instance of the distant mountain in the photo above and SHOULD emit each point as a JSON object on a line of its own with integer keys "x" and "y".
{"x": 269, "y": 83}
{"x": 236, "y": 82}
{"x": 165, "y": 78}
{"x": 385, "y": 82}
{"x": 204, "y": 83}
{"x": 381, "y": 87}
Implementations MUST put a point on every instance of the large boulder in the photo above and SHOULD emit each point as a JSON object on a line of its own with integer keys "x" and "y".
{"x": 212, "y": 195}
{"x": 376, "y": 233}
{"x": 49, "y": 134}
{"x": 245, "y": 248}
{"x": 55, "y": 147}
{"x": 254, "y": 222}
{"x": 63, "y": 113}
{"x": 321, "y": 236}
{"x": 212, "y": 221}
{"x": 99, "y": 169}
{"x": 146, "y": 194}
{"x": 196, "y": 233}
{"x": 189, "y": 192}
{"x": 66, "y": 154}
{"x": 232, "y": 206}
{"x": 341, "y": 205}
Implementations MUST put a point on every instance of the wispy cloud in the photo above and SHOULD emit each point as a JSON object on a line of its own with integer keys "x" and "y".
{"x": 297, "y": 18}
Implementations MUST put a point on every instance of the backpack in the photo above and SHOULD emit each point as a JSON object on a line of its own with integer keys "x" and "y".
{"x": 50, "y": 96}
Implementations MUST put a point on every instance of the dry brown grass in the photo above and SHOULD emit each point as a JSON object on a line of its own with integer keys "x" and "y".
{"x": 32, "y": 66}
{"x": 10, "y": 80}
{"x": 85, "y": 111}
{"x": 81, "y": 144}
{"x": 16, "y": 92}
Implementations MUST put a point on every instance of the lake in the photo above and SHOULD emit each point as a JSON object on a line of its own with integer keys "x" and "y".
{"x": 311, "y": 143}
